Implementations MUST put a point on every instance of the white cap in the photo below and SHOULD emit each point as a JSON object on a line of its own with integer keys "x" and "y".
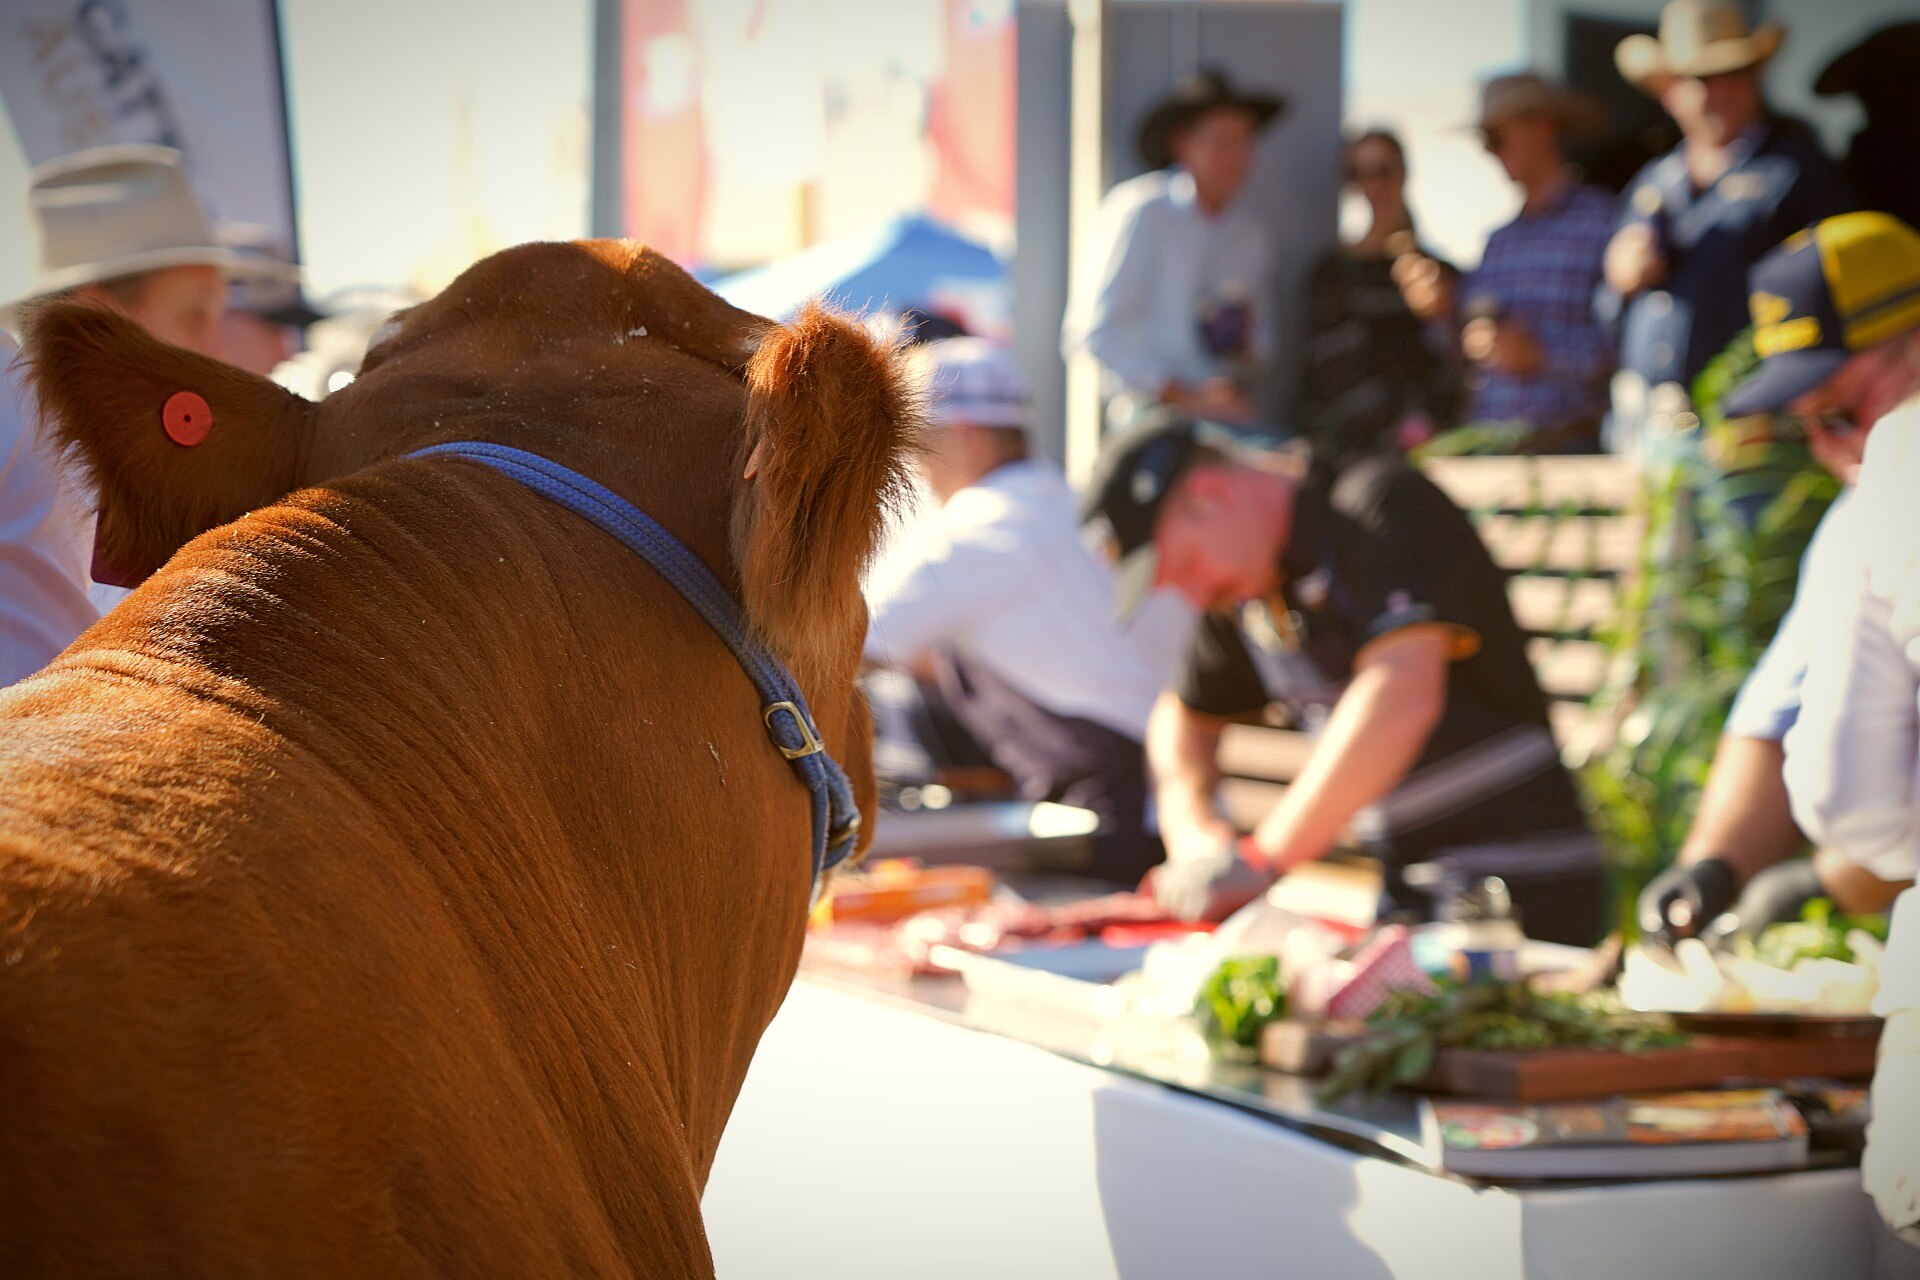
{"x": 123, "y": 209}
{"x": 971, "y": 380}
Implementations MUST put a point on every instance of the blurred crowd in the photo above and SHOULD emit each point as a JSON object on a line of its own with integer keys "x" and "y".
{"x": 1590, "y": 313}
{"x": 1319, "y": 577}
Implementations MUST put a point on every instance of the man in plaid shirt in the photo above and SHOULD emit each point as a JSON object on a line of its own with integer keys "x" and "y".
{"x": 1540, "y": 361}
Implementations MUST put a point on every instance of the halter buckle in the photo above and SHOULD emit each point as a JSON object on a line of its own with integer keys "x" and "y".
{"x": 813, "y": 746}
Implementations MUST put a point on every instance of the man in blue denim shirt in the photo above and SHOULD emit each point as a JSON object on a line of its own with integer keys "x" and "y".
{"x": 1694, "y": 220}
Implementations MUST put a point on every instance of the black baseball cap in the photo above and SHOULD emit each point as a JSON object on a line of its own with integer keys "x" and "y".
{"x": 1136, "y": 470}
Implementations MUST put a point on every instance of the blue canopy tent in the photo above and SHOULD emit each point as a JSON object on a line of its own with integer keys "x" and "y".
{"x": 912, "y": 262}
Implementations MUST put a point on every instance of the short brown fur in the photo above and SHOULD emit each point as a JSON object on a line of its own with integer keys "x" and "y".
{"x": 398, "y": 882}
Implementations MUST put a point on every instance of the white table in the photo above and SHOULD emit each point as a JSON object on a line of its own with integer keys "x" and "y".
{"x": 875, "y": 1141}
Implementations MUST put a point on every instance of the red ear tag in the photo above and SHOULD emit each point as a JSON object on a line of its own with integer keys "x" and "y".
{"x": 186, "y": 418}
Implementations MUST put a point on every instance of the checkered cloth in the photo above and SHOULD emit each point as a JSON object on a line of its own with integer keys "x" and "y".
{"x": 1385, "y": 964}
{"x": 1541, "y": 269}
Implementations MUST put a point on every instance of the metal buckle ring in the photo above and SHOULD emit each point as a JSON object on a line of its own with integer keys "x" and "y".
{"x": 813, "y": 745}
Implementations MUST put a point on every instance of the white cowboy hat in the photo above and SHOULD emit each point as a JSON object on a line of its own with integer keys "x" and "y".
{"x": 116, "y": 211}
{"x": 1697, "y": 38}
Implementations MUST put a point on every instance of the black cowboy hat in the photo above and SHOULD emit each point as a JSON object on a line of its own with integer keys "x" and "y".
{"x": 1206, "y": 90}
{"x": 1885, "y": 58}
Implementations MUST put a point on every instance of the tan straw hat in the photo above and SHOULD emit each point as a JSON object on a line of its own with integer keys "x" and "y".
{"x": 1502, "y": 98}
{"x": 1697, "y": 38}
{"x": 117, "y": 211}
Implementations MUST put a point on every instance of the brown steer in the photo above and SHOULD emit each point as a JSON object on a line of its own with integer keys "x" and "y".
{"x": 398, "y": 883}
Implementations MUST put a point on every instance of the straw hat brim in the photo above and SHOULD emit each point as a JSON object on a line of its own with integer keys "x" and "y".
{"x": 237, "y": 263}
{"x": 1642, "y": 60}
{"x": 1582, "y": 117}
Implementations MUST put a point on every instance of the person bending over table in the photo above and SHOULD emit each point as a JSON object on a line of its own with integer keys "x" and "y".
{"x": 1744, "y": 840}
{"x": 1011, "y": 612}
{"x": 1359, "y": 598}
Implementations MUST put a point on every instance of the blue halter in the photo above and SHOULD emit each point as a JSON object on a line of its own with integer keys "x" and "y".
{"x": 836, "y": 818}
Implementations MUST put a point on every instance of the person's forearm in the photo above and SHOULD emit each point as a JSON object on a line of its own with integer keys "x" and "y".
{"x": 1853, "y": 888}
{"x": 1181, "y": 748}
{"x": 1744, "y": 819}
{"x": 1377, "y": 731}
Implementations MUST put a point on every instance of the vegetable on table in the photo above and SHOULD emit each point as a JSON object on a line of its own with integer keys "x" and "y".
{"x": 1241, "y": 997}
{"x": 1408, "y": 1031}
{"x": 1821, "y": 933}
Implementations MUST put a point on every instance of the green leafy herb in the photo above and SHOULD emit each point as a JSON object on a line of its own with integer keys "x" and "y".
{"x": 1408, "y": 1030}
{"x": 1243, "y": 995}
{"x": 1727, "y": 515}
{"x": 1820, "y": 933}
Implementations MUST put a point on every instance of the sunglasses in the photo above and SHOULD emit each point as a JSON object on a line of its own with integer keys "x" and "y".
{"x": 1371, "y": 172}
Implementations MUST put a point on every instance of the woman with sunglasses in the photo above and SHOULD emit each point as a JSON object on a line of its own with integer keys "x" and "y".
{"x": 1372, "y": 377}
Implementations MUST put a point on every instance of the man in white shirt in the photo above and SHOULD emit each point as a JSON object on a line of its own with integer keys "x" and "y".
{"x": 1844, "y": 351}
{"x": 1743, "y": 839}
{"x": 1176, "y": 308}
{"x": 1853, "y": 766}
{"x": 1014, "y": 613}
{"x": 119, "y": 226}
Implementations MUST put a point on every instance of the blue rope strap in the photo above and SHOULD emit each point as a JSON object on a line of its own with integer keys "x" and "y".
{"x": 836, "y": 818}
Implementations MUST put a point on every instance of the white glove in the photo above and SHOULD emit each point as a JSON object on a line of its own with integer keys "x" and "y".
{"x": 1209, "y": 885}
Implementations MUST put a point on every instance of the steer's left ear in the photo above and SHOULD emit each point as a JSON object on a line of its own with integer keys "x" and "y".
{"x": 175, "y": 443}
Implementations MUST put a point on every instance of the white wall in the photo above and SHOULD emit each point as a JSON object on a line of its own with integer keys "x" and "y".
{"x": 1414, "y": 66}
{"x": 430, "y": 132}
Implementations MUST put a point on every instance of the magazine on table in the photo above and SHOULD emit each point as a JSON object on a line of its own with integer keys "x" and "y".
{"x": 1640, "y": 1135}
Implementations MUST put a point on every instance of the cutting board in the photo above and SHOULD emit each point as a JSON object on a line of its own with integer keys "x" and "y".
{"x": 1554, "y": 1075}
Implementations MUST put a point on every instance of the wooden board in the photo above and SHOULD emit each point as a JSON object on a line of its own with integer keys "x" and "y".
{"x": 1562, "y": 606}
{"x": 1553, "y": 1075}
{"x": 1305, "y": 1048}
{"x": 1599, "y": 483}
{"x": 1575, "y": 544}
{"x": 1568, "y": 668}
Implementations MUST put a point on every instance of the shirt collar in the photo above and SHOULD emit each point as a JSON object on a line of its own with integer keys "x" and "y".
{"x": 1181, "y": 190}
{"x": 1184, "y": 196}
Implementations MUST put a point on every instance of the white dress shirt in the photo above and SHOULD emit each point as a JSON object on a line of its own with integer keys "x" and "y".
{"x": 1853, "y": 757}
{"x": 1158, "y": 265}
{"x": 46, "y": 538}
{"x": 1769, "y": 701}
{"x": 999, "y": 575}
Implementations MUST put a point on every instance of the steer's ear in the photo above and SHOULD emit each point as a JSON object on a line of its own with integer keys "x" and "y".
{"x": 175, "y": 443}
{"x": 831, "y": 430}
